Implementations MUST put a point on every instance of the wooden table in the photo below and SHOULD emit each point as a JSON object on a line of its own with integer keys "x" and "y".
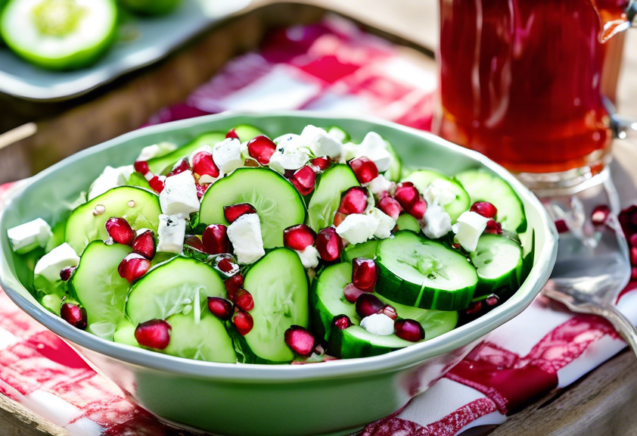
{"x": 601, "y": 403}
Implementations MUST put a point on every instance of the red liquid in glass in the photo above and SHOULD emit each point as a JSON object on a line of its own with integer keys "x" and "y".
{"x": 520, "y": 80}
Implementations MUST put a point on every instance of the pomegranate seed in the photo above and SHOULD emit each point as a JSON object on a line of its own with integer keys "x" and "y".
{"x": 157, "y": 183}
{"x": 304, "y": 180}
{"x": 406, "y": 194}
{"x": 215, "y": 239}
{"x": 65, "y": 274}
{"x": 120, "y": 231}
{"x": 368, "y": 304}
{"x": 144, "y": 244}
{"x": 201, "y": 190}
{"x": 389, "y": 311}
{"x": 354, "y": 201}
{"x": 300, "y": 340}
{"x": 321, "y": 163}
{"x": 153, "y": 334}
{"x": 633, "y": 256}
{"x": 364, "y": 169}
{"x": 492, "y": 300}
{"x": 633, "y": 275}
{"x": 221, "y": 308}
{"x": 352, "y": 292}
{"x": 560, "y": 225}
{"x": 243, "y": 299}
{"x": 364, "y": 274}
{"x": 203, "y": 165}
{"x": 456, "y": 246}
{"x": 485, "y": 209}
{"x": 633, "y": 240}
{"x": 179, "y": 168}
{"x": 329, "y": 244}
{"x": 232, "y": 134}
{"x": 74, "y": 315}
{"x": 418, "y": 209}
{"x": 133, "y": 266}
{"x": 194, "y": 242}
{"x": 474, "y": 308}
{"x": 298, "y": 237}
{"x": 232, "y": 285}
{"x": 409, "y": 330}
{"x": 244, "y": 322}
{"x": 342, "y": 321}
{"x": 227, "y": 266}
{"x": 141, "y": 166}
{"x": 390, "y": 207}
{"x": 236, "y": 210}
{"x": 261, "y": 148}
{"x": 600, "y": 214}
{"x": 339, "y": 218}
{"x": 493, "y": 227}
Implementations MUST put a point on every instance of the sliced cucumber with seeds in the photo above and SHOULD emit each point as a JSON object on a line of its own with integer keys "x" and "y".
{"x": 86, "y": 223}
{"x": 246, "y": 132}
{"x": 179, "y": 285}
{"x": 419, "y": 272}
{"x": 164, "y": 164}
{"x": 204, "y": 339}
{"x": 355, "y": 342}
{"x": 484, "y": 186}
{"x": 529, "y": 253}
{"x": 327, "y": 196}
{"x": 59, "y": 34}
{"x": 278, "y": 203}
{"x": 280, "y": 301}
{"x": 366, "y": 250}
{"x": 99, "y": 288}
{"x": 423, "y": 178}
{"x": 407, "y": 222}
{"x": 328, "y": 301}
{"x": 499, "y": 263}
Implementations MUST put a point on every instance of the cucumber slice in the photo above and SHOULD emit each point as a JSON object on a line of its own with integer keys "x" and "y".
{"x": 499, "y": 263}
{"x": 280, "y": 301}
{"x": 423, "y": 178}
{"x": 136, "y": 179}
{"x": 150, "y": 7}
{"x": 125, "y": 333}
{"x": 419, "y": 272}
{"x": 59, "y": 34}
{"x": 99, "y": 288}
{"x": 395, "y": 170}
{"x": 328, "y": 301}
{"x": 529, "y": 255}
{"x": 173, "y": 287}
{"x": 366, "y": 250}
{"x": 83, "y": 226}
{"x": 408, "y": 222}
{"x": 58, "y": 233}
{"x": 484, "y": 186}
{"x": 164, "y": 164}
{"x": 246, "y": 132}
{"x": 356, "y": 342}
{"x": 327, "y": 196}
{"x": 278, "y": 203}
{"x": 339, "y": 134}
{"x": 204, "y": 339}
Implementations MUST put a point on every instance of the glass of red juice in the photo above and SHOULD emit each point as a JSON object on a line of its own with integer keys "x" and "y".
{"x": 522, "y": 82}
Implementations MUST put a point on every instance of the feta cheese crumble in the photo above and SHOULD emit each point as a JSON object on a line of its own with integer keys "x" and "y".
{"x": 50, "y": 265}
{"x": 309, "y": 257}
{"x": 357, "y": 228}
{"x": 109, "y": 179}
{"x": 320, "y": 142}
{"x": 227, "y": 155}
{"x": 380, "y": 184}
{"x": 378, "y": 324}
{"x": 245, "y": 235}
{"x": 28, "y": 236}
{"x": 468, "y": 229}
{"x": 384, "y": 223}
{"x": 292, "y": 160}
{"x": 375, "y": 148}
{"x": 437, "y": 222}
{"x": 179, "y": 196}
{"x": 171, "y": 233}
{"x": 438, "y": 192}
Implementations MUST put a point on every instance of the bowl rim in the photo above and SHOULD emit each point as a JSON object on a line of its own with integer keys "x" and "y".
{"x": 393, "y": 361}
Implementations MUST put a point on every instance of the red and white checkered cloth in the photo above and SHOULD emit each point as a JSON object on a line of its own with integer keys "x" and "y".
{"x": 328, "y": 66}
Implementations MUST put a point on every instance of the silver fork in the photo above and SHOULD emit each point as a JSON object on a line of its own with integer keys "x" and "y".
{"x": 592, "y": 261}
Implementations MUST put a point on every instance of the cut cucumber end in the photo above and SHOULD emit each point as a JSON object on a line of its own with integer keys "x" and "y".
{"x": 327, "y": 197}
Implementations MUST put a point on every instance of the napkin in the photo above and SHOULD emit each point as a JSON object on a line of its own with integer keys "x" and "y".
{"x": 333, "y": 66}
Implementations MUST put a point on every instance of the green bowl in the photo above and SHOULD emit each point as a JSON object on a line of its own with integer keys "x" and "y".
{"x": 331, "y": 398}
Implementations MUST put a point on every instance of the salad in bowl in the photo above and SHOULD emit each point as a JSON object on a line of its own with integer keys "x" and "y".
{"x": 307, "y": 247}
